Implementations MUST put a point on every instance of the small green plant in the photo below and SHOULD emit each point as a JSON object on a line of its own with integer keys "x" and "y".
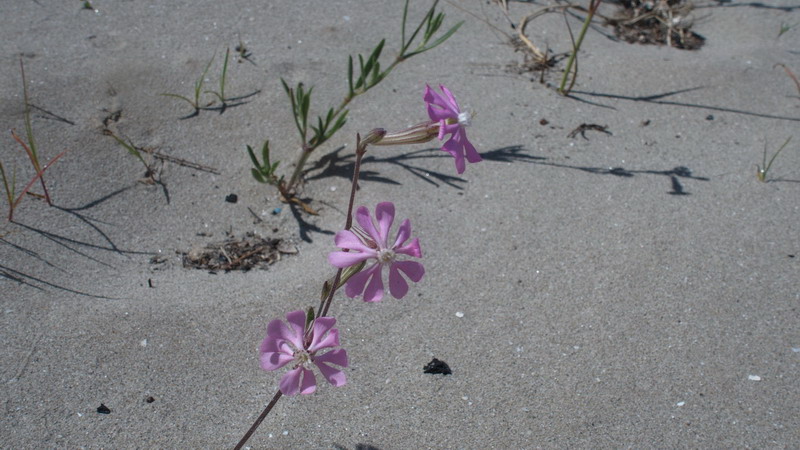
{"x": 194, "y": 101}
{"x": 10, "y": 187}
{"x": 221, "y": 93}
{"x": 33, "y": 156}
{"x": 128, "y": 145}
{"x": 763, "y": 170}
{"x": 315, "y": 133}
{"x": 576, "y": 46}
{"x": 785, "y": 27}
{"x": 264, "y": 172}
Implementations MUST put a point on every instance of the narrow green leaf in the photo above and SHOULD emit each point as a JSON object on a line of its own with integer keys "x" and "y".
{"x": 179, "y": 97}
{"x": 350, "y": 75}
{"x": 9, "y": 190}
{"x": 265, "y": 152}
{"x": 224, "y": 75}
{"x": 339, "y": 123}
{"x": 427, "y": 18}
{"x": 198, "y": 85}
{"x": 287, "y": 89}
{"x": 377, "y": 52}
{"x": 437, "y": 42}
{"x": 257, "y": 175}
{"x": 253, "y": 157}
{"x": 361, "y": 79}
{"x": 28, "y": 124}
{"x": 403, "y": 27}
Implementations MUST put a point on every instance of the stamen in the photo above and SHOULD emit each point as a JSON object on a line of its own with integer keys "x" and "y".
{"x": 386, "y": 255}
{"x": 464, "y": 119}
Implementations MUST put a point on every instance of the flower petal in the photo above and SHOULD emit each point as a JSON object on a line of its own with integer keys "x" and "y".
{"x": 412, "y": 249}
{"x": 384, "y": 213}
{"x": 457, "y": 150}
{"x": 278, "y": 330}
{"x": 309, "y": 383}
{"x": 363, "y": 218}
{"x": 398, "y": 286}
{"x": 451, "y": 100}
{"x": 355, "y": 285}
{"x": 472, "y": 155}
{"x": 432, "y": 97}
{"x": 297, "y": 320}
{"x": 374, "y": 290}
{"x": 319, "y": 340}
{"x": 347, "y": 259}
{"x": 346, "y": 239}
{"x": 335, "y": 376}
{"x": 274, "y": 360}
{"x": 403, "y": 233}
{"x": 412, "y": 269}
{"x": 290, "y": 380}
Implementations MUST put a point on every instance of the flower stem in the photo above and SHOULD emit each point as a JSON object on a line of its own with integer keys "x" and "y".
{"x": 258, "y": 421}
{"x": 301, "y": 162}
{"x": 361, "y": 149}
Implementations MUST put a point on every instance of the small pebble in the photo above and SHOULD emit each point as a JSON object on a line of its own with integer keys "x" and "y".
{"x": 754, "y": 378}
{"x": 680, "y": 403}
{"x": 459, "y": 314}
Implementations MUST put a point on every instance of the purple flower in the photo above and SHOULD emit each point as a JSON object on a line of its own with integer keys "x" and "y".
{"x": 369, "y": 242}
{"x": 444, "y": 109}
{"x": 284, "y": 345}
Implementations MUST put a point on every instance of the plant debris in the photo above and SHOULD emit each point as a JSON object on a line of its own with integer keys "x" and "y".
{"x": 238, "y": 253}
{"x": 584, "y": 127}
{"x": 656, "y": 22}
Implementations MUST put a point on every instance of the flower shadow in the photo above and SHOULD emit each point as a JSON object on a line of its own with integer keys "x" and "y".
{"x": 335, "y": 164}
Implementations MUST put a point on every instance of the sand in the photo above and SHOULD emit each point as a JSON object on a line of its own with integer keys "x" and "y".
{"x": 633, "y": 289}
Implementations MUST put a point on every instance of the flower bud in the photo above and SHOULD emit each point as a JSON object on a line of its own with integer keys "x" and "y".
{"x": 418, "y": 134}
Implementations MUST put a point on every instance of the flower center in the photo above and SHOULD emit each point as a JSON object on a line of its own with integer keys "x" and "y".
{"x": 302, "y": 357}
{"x": 464, "y": 119}
{"x": 386, "y": 255}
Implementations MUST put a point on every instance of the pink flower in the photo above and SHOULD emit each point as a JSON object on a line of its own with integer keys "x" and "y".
{"x": 369, "y": 242}
{"x": 444, "y": 109}
{"x": 284, "y": 345}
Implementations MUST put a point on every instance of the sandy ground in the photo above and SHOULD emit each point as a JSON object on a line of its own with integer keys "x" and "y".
{"x": 585, "y": 292}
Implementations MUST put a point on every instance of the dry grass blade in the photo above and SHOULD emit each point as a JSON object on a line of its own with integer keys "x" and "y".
{"x": 791, "y": 75}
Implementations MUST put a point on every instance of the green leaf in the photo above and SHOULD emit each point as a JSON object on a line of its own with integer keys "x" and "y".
{"x": 339, "y": 123}
{"x": 403, "y": 26}
{"x": 350, "y": 75}
{"x": 224, "y": 74}
{"x": 257, "y": 175}
{"x": 309, "y": 318}
{"x": 265, "y": 152}
{"x": 437, "y": 42}
{"x": 253, "y": 157}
